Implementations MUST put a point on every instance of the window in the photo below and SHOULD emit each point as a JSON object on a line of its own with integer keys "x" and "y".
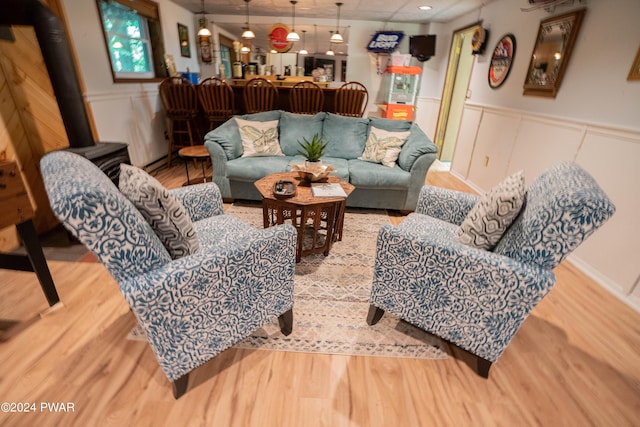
{"x": 134, "y": 39}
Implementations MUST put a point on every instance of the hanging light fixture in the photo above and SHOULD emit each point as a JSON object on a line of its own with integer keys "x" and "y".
{"x": 304, "y": 43}
{"x": 337, "y": 37}
{"x": 293, "y": 36}
{"x": 330, "y": 52}
{"x": 248, "y": 34}
{"x": 202, "y": 23}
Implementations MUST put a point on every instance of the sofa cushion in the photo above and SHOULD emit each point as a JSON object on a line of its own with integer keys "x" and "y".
{"x": 166, "y": 215}
{"x": 259, "y": 138}
{"x": 295, "y": 127}
{"x": 254, "y": 168}
{"x": 383, "y": 146}
{"x": 372, "y": 175}
{"x": 389, "y": 124}
{"x": 228, "y": 136}
{"x": 263, "y": 116}
{"x": 494, "y": 212}
{"x": 345, "y": 136}
{"x": 417, "y": 144}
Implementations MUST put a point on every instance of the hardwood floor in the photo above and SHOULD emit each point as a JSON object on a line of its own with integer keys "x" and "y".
{"x": 575, "y": 362}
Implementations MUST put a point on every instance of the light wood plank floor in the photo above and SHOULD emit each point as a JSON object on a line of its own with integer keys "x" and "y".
{"x": 574, "y": 363}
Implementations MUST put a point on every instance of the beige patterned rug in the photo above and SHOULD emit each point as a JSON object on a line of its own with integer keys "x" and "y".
{"x": 332, "y": 300}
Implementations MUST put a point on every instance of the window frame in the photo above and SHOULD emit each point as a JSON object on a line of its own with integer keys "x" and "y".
{"x": 150, "y": 11}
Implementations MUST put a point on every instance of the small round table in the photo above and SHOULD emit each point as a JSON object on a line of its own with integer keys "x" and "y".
{"x": 198, "y": 153}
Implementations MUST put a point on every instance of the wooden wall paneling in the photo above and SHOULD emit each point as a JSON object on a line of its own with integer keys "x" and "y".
{"x": 8, "y": 113}
{"x": 24, "y": 97}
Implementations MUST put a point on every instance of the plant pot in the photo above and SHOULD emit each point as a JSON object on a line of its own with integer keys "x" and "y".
{"x": 313, "y": 166}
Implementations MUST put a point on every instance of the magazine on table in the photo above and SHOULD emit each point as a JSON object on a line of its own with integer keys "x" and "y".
{"x": 320, "y": 189}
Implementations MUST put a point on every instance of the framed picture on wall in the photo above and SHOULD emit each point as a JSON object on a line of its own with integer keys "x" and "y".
{"x": 634, "y": 73}
{"x": 183, "y": 37}
{"x": 501, "y": 60}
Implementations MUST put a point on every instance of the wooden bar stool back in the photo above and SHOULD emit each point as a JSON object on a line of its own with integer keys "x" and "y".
{"x": 216, "y": 100}
{"x": 306, "y": 98}
{"x": 259, "y": 95}
{"x": 351, "y": 99}
{"x": 180, "y": 101}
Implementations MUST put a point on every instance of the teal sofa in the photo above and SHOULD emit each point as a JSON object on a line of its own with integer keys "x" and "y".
{"x": 377, "y": 186}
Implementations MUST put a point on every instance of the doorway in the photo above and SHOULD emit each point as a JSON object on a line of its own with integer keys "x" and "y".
{"x": 454, "y": 93}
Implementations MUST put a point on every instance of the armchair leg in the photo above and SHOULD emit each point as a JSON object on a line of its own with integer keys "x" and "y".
{"x": 374, "y": 315}
{"x": 180, "y": 386}
{"x": 483, "y": 367}
{"x": 285, "y": 321}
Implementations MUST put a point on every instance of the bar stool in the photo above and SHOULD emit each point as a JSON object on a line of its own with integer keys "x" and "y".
{"x": 216, "y": 100}
{"x": 351, "y": 99}
{"x": 259, "y": 95}
{"x": 180, "y": 102}
{"x": 306, "y": 98}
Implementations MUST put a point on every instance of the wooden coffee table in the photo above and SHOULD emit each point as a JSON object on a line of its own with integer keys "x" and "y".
{"x": 308, "y": 214}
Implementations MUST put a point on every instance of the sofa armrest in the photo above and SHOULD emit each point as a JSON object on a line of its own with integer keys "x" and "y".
{"x": 201, "y": 200}
{"x": 474, "y": 298}
{"x": 219, "y": 166}
{"x": 197, "y": 306}
{"x": 448, "y": 205}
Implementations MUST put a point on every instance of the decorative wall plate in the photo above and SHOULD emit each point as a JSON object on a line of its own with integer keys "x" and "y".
{"x": 501, "y": 60}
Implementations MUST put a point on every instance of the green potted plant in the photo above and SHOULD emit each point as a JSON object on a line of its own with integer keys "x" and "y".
{"x": 312, "y": 151}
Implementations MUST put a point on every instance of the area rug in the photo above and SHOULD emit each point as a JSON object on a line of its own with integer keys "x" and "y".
{"x": 331, "y": 300}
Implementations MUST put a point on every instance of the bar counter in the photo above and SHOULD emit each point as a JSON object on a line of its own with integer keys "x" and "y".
{"x": 282, "y": 103}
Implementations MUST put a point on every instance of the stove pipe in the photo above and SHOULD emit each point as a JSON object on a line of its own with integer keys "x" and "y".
{"x": 59, "y": 62}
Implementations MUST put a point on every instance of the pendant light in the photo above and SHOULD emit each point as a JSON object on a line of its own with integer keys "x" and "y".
{"x": 304, "y": 43}
{"x": 330, "y": 52}
{"x": 202, "y": 23}
{"x": 293, "y": 36}
{"x": 337, "y": 37}
{"x": 248, "y": 34}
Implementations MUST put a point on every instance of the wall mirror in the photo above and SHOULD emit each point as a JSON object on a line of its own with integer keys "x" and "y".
{"x": 551, "y": 53}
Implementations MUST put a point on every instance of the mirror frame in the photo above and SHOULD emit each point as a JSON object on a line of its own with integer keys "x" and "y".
{"x": 551, "y": 89}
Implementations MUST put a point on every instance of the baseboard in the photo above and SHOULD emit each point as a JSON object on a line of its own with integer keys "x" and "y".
{"x": 605, "y": 282}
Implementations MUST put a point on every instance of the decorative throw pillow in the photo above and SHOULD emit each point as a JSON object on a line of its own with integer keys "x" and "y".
{"x": 384, "y": 146}
{"x": 166, "y": 215}
{"x": 259, "y": 138}
{"x": 494, "y": 212}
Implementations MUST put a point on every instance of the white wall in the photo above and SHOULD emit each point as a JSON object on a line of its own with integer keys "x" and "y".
{"x": 126, "y": 112}
{"x": 594, "y": 120}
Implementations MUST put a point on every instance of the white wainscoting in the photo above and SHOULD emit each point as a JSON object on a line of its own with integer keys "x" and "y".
{"x": 136, "y": 118}
{"x": 495, "y": 142}
{"x": 426, "y": 115}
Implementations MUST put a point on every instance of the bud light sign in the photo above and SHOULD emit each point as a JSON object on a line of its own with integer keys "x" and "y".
{"x": 385, "y": 41}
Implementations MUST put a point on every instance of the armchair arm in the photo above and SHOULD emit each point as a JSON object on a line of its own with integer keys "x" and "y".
{"x": 471, "y": 297}
{"x": 448, "y": 205}
{"x": 197, "y": 306}
{"x": 201, "y": 200}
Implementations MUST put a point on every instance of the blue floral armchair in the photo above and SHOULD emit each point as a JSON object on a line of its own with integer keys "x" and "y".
{"x": 474, "y": 298}
{"x": 194, "y": 307}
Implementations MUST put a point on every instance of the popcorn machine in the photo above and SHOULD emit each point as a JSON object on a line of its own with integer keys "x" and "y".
{"x": 399, "y": 89}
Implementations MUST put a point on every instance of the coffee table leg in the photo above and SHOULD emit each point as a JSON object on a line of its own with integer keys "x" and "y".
{"x": 299, "y": 223}
{"x": 339, "y": 224}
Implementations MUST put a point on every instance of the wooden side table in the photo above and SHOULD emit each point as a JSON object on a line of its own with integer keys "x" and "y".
{"x": 198, "y": 153}
{"x": 17, "y": 209}
{"x": 306, "y": 212}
